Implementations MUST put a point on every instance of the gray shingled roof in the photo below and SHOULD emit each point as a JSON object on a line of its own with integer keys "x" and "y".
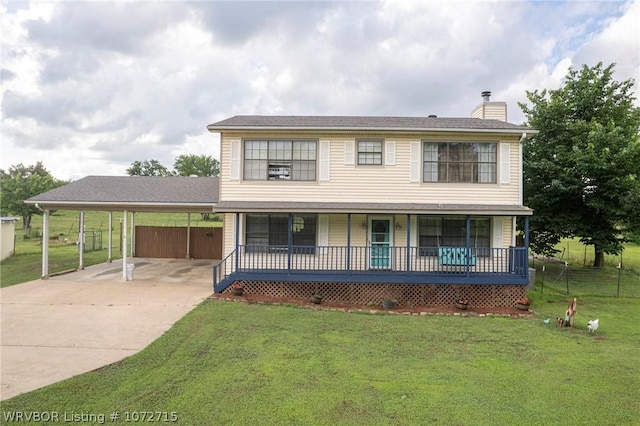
{"x": 139, "y": 193}
{"x": 365, "y": 123}
{"x": 367, "y": 208}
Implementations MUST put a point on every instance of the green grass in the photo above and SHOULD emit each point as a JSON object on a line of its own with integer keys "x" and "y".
{"x": 231, "y": 363}
{"x": 26, "y": 263}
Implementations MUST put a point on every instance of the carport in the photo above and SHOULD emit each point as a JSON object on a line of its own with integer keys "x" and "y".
{"x": 128, "y": 194}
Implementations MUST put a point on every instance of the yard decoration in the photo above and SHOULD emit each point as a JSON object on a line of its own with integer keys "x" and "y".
{"x": 462, "y": 304}
{"x": 237, "y": 289}
{"x": 316, "y": 298}
{"x": 389, "y": 303}
{"x": 523, "y": 303}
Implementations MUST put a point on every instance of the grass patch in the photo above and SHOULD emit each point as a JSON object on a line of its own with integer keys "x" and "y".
{"x": 26, "y": 263}
{"x": 231, "y": 363}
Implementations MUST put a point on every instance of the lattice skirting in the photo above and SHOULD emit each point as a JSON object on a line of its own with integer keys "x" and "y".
{"x": 481, "y": 296}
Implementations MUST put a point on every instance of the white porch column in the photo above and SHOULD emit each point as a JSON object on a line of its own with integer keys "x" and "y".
{"x": 81, "y": 242}
{"x": 188, "y": 235}
{"x": 45, "y": 244}
{"x": 109, "y": 253}
{"x": 124, "y": 245}
{"x": 132, "y": 234}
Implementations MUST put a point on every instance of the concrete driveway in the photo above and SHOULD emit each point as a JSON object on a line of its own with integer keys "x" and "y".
{"x": 54, "y": 329}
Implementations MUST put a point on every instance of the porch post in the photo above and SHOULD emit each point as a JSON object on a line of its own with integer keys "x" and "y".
{"x": 237, "y": 241}
{"x": 124, "y": 245}
{"x": 408, "y": 260}
{"x": 188, "y": 256}
{"x": 526, "y": 246}
{"x": 109, "y": 253}
{"x": 81, "y": 242}
{"x": 45, "y": 244}
{"x": 468, "y": 245}
{"x": 132, "y": 234}
{"x": 289, "y": 240}
{"x": 348, "y": 242}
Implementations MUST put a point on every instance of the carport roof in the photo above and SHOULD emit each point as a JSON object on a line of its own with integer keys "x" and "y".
{"x": 135, "y": 193}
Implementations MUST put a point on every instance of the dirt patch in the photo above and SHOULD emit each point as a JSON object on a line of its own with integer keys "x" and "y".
{"x": 403, "y": 310}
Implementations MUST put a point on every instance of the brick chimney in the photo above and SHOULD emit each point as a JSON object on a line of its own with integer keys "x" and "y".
{"x": 488, "y": 110}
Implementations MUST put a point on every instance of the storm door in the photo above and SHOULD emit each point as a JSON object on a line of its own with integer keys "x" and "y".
{"x": 380, "y": 243}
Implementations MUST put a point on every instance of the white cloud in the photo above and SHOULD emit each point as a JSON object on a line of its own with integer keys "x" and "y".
{"x": 88, "y": 88}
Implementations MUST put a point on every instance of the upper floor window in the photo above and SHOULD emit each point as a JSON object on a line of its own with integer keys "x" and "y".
{"x": 370, "y": 152}
{"x": 280, "y": 160}
{"x": 459, "y": 162}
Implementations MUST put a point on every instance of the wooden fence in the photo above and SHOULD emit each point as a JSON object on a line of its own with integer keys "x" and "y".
{"x": 171, "y": 242}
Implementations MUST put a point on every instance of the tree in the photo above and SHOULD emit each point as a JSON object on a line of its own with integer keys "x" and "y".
{"x": 198, "y": 165}
{"x": 20, "y": 183}
{"x": 148, "y": 168}
{"x": 582, "y": 170}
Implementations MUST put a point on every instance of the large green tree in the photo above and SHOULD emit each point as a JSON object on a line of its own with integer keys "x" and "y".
{"x": 21, "y": 182}
{"x": 196, "y": 165}
{"x": 148, "y": 168}
{"x": 582, "y": 170}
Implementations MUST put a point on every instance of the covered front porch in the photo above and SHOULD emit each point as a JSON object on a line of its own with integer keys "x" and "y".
{"x": 382, "y": 265}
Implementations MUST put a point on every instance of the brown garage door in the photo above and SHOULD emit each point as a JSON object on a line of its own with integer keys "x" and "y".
{"x": 171, "y": 242}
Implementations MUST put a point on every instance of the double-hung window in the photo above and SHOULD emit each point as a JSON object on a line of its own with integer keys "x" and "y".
{"x": 280, "y": 160}
{"x": 369, "y": 152}
{"x": 451, "y": 231}
{"x": 270, "y": 233}
{"x": 459, "y": 162}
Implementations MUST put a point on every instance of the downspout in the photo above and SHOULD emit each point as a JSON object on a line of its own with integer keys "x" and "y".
{"x": 520, "y": 170}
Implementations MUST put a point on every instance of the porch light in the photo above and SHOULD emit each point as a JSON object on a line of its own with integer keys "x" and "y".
{"x": 398, "y": 227}
{"x": 363, "y": 225}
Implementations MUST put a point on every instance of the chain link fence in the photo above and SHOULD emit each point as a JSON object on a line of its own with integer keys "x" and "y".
{"x": 556, "y": 275}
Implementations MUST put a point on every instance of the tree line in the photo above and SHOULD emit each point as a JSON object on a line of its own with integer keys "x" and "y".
{"x": 581, "y": 170}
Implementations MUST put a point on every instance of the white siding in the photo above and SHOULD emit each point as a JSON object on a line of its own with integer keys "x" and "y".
{"x": 352, "y": 183}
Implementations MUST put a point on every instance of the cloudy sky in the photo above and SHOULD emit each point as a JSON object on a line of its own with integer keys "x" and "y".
{"x": 90, "y": 87}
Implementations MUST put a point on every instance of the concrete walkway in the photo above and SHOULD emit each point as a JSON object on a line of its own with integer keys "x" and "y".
{"x": 54, "y": 329}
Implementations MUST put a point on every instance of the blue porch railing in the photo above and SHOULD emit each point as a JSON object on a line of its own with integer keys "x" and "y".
{"x": 433, "y": 265}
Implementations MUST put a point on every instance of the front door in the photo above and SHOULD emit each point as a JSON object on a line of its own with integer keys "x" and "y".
{"x": 380, "y": 238}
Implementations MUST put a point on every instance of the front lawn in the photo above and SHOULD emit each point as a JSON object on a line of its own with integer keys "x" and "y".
{"x": 232, "y": 363}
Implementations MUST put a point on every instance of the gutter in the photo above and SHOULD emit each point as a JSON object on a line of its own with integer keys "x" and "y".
{"x": 217, "y": 129}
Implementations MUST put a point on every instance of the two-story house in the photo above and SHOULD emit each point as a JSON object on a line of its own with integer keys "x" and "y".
{"x": 423, "y": 209}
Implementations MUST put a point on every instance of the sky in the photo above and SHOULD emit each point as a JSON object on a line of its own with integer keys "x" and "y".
{"x": 87, "y": 88}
